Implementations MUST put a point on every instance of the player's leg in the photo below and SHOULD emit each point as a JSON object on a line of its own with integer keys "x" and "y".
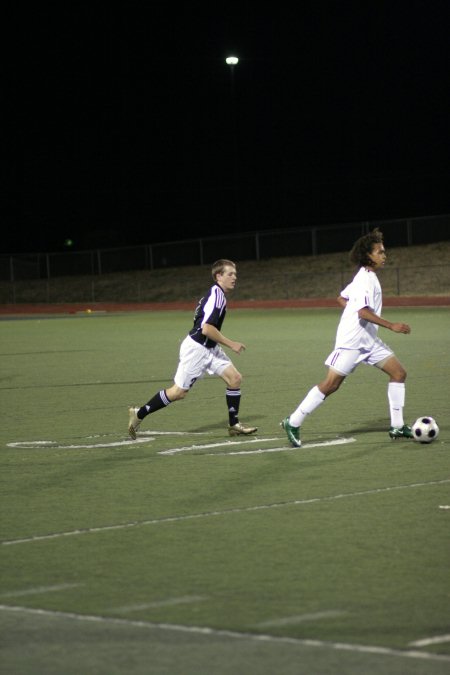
{"x": 396, "y": 396}
{"x": 192, "y": 364}
{"x": 233, "y": 378}
{"x": 313, "y": 399}
{"x": 340, "y": 364}
{"x": 160, "y": 400}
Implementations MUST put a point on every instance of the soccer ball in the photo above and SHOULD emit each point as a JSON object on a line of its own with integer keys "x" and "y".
{"x": 425, "y": 430}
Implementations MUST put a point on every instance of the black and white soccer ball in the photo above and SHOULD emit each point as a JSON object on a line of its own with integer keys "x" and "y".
{"x": 425, "y": 429}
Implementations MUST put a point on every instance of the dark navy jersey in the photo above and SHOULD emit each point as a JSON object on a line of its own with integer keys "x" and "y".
{"x": 210, "y": 309}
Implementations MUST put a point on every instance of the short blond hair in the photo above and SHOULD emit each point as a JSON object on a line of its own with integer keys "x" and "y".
{"x": 219, "y": 267}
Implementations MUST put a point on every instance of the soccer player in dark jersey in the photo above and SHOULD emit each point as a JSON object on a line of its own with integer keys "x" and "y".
{"x": 201, "y": 353}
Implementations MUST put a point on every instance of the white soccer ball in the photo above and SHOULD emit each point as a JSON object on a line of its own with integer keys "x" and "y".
{"x": 425, "y": 429}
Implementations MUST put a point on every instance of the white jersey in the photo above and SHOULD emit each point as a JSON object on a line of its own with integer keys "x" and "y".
{"x": 363, "y": 291}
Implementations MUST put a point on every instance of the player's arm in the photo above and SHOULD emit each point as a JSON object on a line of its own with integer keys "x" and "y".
{"x": 214, "y": 333}
{"x": 344, "y": 296}
{"x": 366, "y": 314}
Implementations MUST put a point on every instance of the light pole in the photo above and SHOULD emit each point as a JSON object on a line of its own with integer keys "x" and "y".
{"x": 232, "y": 61}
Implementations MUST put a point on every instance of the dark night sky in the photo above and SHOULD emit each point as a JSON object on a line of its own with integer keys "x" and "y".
{"x": 126, "y": 127}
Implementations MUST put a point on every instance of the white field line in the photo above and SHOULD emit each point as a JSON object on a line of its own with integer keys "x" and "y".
{"x": 38, "y": 590}
{"x": 438, "y": 639}
{"x": 210, "y": 514}
{"x": 143, "y": 437}
{"x": 206, "y": 446}
{"x": 169, "y": 602}
{"x": 221, "y": 444}
{"x": 149, "y": 436}
{"x": 54, "y": 445}
{"x": 204, "y": 630}
{"x": 300, "y": 618}
{"x": 305, "y": 446}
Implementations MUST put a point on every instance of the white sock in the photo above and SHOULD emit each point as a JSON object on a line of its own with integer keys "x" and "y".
{"x": 312, "y": 400}
{"x": 396, "y": 396}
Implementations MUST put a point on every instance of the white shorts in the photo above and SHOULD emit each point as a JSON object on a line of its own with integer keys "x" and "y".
{"x": 196, "y": 360}
{"x": 344, "y": 361}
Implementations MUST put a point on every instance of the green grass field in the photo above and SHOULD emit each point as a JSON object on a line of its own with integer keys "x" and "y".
{"x": 190, "y": 553}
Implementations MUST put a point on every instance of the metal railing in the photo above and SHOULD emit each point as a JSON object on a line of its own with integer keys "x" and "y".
{"x": 201, "y": 251}
{"x": 151, "y": 286}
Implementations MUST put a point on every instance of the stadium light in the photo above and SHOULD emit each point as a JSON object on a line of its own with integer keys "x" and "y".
{"x": 232, "y": 61}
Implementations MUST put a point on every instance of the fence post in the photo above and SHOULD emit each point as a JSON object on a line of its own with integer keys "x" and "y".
{"x": 150, "y": 252}
{"x": 409, "y": 232}
{"x": 314, "y": 241}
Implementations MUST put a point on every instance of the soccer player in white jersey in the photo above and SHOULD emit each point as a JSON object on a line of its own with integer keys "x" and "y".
{"x": 357, "y": 341}
{"x": 201, "y": 353}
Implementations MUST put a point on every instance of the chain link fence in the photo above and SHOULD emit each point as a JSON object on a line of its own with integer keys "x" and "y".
{"x": 122, "y": 274}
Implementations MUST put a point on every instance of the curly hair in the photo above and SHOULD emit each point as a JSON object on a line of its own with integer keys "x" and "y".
{"x": 359, "y": 255}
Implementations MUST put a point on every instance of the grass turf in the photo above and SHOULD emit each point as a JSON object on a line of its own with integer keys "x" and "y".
{"x": 216, "y": 558}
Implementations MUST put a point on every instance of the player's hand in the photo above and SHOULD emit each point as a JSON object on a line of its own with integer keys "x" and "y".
{"x": 401, "y": 328}
{"x": 238, "y": 347}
